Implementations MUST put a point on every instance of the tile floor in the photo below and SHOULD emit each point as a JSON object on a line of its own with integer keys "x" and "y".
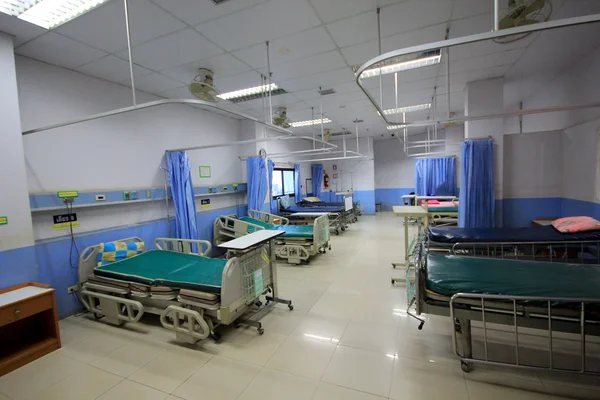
{"x": 347, "y": 338}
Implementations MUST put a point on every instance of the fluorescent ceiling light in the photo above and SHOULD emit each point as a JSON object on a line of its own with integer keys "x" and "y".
{"x": 247, "y": 92}
{"x": 403, "y": 63}
{"x": 406, "y": 109}
{"x": 48, "y": 13}
{"x": 310, "y": 122}
{"x": 394, "y": 127}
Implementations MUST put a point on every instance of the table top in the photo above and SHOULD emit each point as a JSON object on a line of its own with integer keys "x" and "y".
{"x": 409, "y": 211}
{"x": 308, "y": 214}
{"x": 14, "y": 296}
{"x": 253, "y": 239}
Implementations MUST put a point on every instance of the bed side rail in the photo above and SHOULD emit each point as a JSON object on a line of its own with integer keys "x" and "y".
{"x": 579, "y": 317}
{"x": 268, "y": 218}
{"x": 199, "y": 247}
{"x": 228, "y": 227}
{"x": 87, "y": 258}
{"x": 321, "y": 232}
{"x": 574, "y": 252}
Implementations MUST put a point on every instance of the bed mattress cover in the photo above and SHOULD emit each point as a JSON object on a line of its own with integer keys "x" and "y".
{"x": 298, "y": 208}
{"x": 449, "y": 275}
{"x": 321, "y": 204}
{"x": 531, "y": 234}
{"x": 168, "y": 269}
{"x": 291, "y": 231}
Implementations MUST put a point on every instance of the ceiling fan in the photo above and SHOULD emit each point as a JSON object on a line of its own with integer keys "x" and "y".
{"x": 281, "y": 119}
{"x": 202, "y": 86}
{"x": 523, "y": 12}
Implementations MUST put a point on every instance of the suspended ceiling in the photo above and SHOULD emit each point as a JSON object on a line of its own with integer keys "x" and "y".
{"x": 314, "y": 43}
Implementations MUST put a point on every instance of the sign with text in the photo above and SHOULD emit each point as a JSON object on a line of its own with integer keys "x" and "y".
{"x": 3, "y": 220}
{"x": 205, "y": 203}
{"x": 68, "y": 194}
{"x": 65, "y": 221}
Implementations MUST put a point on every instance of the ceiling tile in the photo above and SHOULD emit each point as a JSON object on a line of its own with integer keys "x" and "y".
{"x": 153, "y": 83}
{"x": 414, "y": 14}
{"x": 469, "y": 8}
{"x": 112, "y": 69}
{"x": 307, "y": 94}
{"x": 358, "y": 54}
{"x": 358, "y": 29}
{"x": 175, "y": 49}
{"x": 240, "y": 81}
{"x": 323, "y": 79}
{"x": 429, "y": 34}
{"x": 194, "y": 12}
{"x": 22, "y": 30}
{"x": 104, "y": 27}
{"x": 486, "y": 47}
{"x": 469, "y": 26}
{"x": 307, "y": 43}
{"x": 281, "y": 100}
{"x": 332, "y": 10}
{"x": 480, "y": 74}
{"x": 266, "y": 21}
{"x": 59, "y": 50}
{"x": 181, "y": 92}
{"x": 307, "y": 66}
{"x": 222, "y": 66}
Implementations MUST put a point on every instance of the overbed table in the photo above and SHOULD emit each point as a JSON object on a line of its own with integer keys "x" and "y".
{"x": 408, "y": 212}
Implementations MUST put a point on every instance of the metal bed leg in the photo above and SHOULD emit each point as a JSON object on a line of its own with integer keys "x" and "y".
{"x": 463, "y": 329}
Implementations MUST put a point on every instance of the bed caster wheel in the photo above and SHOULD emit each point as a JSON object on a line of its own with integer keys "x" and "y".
{"x": 330, "y": 248}
{"x": 261, "y": 331}
{"x": 215, "y": 336}
{"x": 343, "y": 229}
{"x": 258, "y": 304}
{"x": 337, "y": 231}
{"x": 466, "y": 367}
{"x": 291, "y": 307}
{"x": 98, "y": 316}
{"x": 420, "y": 327}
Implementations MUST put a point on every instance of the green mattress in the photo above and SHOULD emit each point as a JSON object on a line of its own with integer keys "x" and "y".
{"x": 442, "y": 209}
{"x": 291, "y": 231}
{"x": 168, "y": 268}
{"x": 449, "y": 275}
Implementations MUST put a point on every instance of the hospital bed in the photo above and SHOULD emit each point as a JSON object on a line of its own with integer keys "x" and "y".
{"x": 534, "y": 243}
{"x": 442, "y": 213}
{"x": 192, "y": 293}
{"x": 298, "y": 242}
{"x": 525, "y": 295}
{"x": 351, "y": 208}
{"x": 299, "y": 215}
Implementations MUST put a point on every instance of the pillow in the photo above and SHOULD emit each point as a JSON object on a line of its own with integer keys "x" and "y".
{"x": 312, "y": 199}
{"x": 285, "y": 201}
{"x": 576, "y": 224}
{"x": 117, "y": 251}
{"x": 430, "y": 202}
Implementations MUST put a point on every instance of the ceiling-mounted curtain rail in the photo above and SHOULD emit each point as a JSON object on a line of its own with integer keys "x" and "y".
{"x": 444, "y": 44}
{"x": 189, "y": 102}
{"x": 242, "y": 142}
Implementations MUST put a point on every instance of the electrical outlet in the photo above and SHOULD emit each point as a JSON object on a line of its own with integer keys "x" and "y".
{"x": 100, "y": 197}
{"x": 224, "y": 189}
{"x": 73, "y": 289}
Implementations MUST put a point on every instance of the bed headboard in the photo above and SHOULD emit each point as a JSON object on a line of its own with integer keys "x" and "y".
{"x": 87, "y": 258}
{"x": 268, "y": 218}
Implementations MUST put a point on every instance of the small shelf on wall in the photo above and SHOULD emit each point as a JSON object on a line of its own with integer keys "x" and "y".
{"x": 44, "y": 202}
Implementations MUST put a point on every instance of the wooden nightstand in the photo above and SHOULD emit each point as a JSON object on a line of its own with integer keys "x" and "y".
{"x": 28, "y": 325}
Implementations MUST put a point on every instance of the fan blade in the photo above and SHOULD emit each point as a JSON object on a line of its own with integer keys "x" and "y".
{"x": 536, "y": 5}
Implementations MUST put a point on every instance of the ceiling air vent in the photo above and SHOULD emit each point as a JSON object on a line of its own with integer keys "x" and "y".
{"x": 325, "y": 92}
{"x": 342, "y": 133}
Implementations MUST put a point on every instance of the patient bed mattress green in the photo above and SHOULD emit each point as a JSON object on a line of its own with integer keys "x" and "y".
{"x": 291, "y": 231}
{"x": 168, "y": 268}
{"x": 449, "y": 275}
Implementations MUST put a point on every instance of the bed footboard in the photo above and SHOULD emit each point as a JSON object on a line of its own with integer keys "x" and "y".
{"x": 268, "y": 218}
{"x": 228, "y": 227}
{"x": 321, "y": 234}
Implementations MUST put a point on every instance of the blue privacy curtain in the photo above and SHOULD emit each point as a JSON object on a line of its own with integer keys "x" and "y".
{"x": 477, "y": 197}
{"x": 297, "y": 182}
{"x": 182, "y": 192}
{"x": 317, "y": 179}
{"x": 435, "y": 176}
{"x": 257, "y": 182}
{"x": 273, "y": 203}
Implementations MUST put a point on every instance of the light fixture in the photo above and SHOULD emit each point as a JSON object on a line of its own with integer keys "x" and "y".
{"x": 403, "y": 63}
{"x": 394, "y": 127}
{"x": 311, "y": 122}
{"x": 48, "y": 13}
{"x": 406, "y": 109}
{"x": 251, "y": 93}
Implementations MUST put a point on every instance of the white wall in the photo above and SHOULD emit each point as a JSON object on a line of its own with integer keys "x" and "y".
{"x": 393, "y": 168}
{"x": 533, "y": 165}
{"x": 123, "y": 152}
{"x": 579, "y": 155}
{"x": 14, "y": 201}
{"x": 352, "y": 174}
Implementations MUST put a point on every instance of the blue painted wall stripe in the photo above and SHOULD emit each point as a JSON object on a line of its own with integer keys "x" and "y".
{"x": 389, "y": 197}
{"x": 18, "y": 266}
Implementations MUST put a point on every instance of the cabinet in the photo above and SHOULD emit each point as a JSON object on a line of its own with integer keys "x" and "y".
{"x": 28, "y": 325}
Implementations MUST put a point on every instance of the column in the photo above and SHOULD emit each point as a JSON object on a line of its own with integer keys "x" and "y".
{"x": 487, "y": 97}
{"x": 17, "y": 253}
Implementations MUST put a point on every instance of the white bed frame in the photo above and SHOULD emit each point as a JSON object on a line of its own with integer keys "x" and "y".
{"x": 190, "y": 320}
{"x": 293, "y": 250}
